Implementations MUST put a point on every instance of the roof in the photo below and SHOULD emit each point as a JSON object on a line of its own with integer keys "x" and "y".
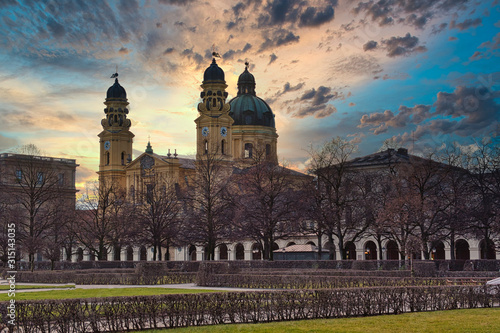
{"x": 389, "y": 156}
{"x": 248, "y": 109}
{"x": 298, "y": 248}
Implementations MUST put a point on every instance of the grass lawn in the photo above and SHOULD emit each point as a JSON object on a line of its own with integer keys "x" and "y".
{"x": 104, "y": 292}
{"x": 469, "y": 320}
{"x": 20, "y": 287}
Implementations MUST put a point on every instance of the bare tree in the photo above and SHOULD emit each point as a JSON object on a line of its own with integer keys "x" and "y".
{"x": 158, "y": 211}
{"x": 340, "y": 187}
{"x": 208, "y": 204}
{"x": 483, "y": 164}
{"x": 37, "y": 196}
{"x": 267, "y": 201}
{"x": 104, "y": 218}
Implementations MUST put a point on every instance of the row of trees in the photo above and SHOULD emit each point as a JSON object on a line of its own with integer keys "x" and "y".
{"x": 414, "y": 201}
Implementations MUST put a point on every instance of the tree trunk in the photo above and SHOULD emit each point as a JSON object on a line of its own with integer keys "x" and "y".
{"x": 330, "y": 252}
{"x": 320, "y": 247}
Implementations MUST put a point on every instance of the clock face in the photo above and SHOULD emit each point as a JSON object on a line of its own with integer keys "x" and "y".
{"x": 223, "y": 131}
{"x": 204, "y": 131}
{"x": 107, "y": 145}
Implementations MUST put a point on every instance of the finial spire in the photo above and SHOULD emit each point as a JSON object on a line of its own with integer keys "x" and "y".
{"x": 149, "y": 148}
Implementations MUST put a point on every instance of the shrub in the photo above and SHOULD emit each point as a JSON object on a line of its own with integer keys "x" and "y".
{"x": 119, "y": 314}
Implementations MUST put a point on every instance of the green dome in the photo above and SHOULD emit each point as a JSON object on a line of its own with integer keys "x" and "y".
{"x": 249, "y": 109}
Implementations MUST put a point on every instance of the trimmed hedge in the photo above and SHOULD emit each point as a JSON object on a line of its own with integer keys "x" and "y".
{"x": 104, "y": 277}
{"x": 321, "y": 282}
{"x": 184, "y": 266}
{"x": 120, "y": 314}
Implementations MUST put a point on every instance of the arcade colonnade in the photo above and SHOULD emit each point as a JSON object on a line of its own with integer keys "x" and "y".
{"x": 365, "y": 249}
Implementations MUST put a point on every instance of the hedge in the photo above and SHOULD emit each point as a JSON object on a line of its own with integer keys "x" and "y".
{"x": 184, "y": 266}
{"x": 120, "y": 314}
{"x": 321, "y": 282}
{"x": 104, "y": 277}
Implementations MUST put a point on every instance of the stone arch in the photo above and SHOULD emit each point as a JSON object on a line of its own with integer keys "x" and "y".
{"x": 392, "y": 250}
{"x": 79, "y": 254}
{"x": 275, "y": 247}
{"x": 143, "y": 253}
{"x": 437, "y": 252}
{"x": 256, "y": 251}
{"x": 223, "y": 252}
{"x": 487, "y": 249}
{"x": 130, "y": 253}
{"x": 370, "y": 251}
{"x": 330, "y": 248}
{"x": 462, "y": 250}
{"x": 192, "y": 253}
{"x": 290, "y": 244}
{"x": 117, "y": 251}
{"x": 311, "y": 243}
{"x": 350, "y": 250}
{"x": 239, "y": 252}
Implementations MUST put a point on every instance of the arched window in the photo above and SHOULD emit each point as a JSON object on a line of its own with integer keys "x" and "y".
{"x": 370, "y": 251}
{"x": 462, "y": 251}
{"x": 117, "y": 253}
{"x": 223, "y": 254}
{"x": 223, "y": 147}
{"x": 123, "y": 158}
{"x": 143, "y": 254}
{"x": 130, "y": 253}
{"x": 206, "y": 147}
{"x": 350, "y": 251}
{"x": 256, "y": 252}
{"x": 79, "y": 254}
{"x": 240, "y": 252}
{"x": 107, "y": 158}
{"x": 248, "y": 150}
{"x": 192, "y": 253}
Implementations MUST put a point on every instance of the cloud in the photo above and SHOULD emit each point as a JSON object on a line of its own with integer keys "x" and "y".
{"x": 468, "y": 23}
{"x": 402, "y": 46}
{"x": 176, "y": 2}
{"x": 370, "y": 45}
{"x": 315, "y": 101}
{"x": 56, "y": 29}
{"x": 280, "y": 37}
{"x": 452, "y": 38}
{"x": 413, "y": 13}
{"x": 312, "y": 17}
{"x": 467, "y": 111}
{"x": 124, "y": 50}
{"x": 273, "y": 58}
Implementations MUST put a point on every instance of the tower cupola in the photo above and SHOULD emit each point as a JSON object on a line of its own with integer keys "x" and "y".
{"x": 246, "y": 82}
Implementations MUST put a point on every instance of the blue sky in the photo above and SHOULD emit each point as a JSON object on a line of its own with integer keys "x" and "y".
{"x": 421, "y": 73}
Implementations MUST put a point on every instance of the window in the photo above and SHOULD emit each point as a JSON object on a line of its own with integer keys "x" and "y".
{"x": 107, "y": 158}
{"x": 61, "y": 179}
{"x": 123, "y": 158}
{"x": 248, "y": 150}
{"x": 39, "y": 177}
{"x": 223, "y": 147}
{"x": 268, "y": 150}
{"x": 19, "y": 175}
{"x": 206, "y": 147}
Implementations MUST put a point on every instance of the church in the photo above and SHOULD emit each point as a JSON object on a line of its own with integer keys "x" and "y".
{"x": 233, "y": 131}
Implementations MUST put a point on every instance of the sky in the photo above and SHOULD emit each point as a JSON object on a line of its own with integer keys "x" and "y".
{"x": 422, "y": 73}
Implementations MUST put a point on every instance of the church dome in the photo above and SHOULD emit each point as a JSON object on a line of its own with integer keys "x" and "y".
{"x": 116, "y": 91}
{"x": 248, "y": 109}
{"x": 213, "y": 73}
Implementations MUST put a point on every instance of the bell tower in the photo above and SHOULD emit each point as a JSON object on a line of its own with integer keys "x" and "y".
{"x": 115, "y": 140}
{"x": 213, "y": 126}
